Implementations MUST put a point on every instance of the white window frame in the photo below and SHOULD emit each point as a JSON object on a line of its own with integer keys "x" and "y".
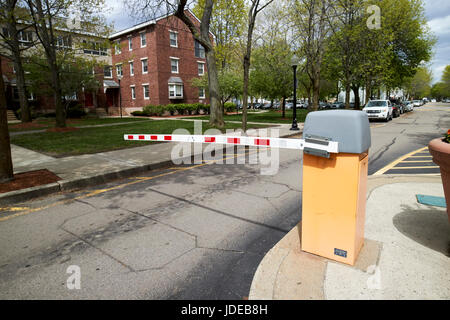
{"x": 133, "y": 92}
{"x": 142, "y": 65}
{"x": 204, "y": 93}
{"x": 117, "y": 47}
{"x": 176, "y": 38}
{"x": 143, "y": 90}
{"x": 178, "y": 65}
{"x": 121, "y": 70}
{"x": 203, "y": 65}
{"x": 143, "y": 35}
{"x": 175, "y": 85}
{"x": 130, "y": 43}
{"x": 111, "y": 72}
{"x": 131, "y": 63}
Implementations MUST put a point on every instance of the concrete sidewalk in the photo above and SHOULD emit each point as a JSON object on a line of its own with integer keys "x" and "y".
{"x": 90, "y": 169}
{"x": 405, "y": 255}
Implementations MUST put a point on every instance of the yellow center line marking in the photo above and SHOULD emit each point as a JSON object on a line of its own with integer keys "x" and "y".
{"x": 27, "y": 211}
{"x": 396, "y": 162}
{"x": 421, "y": 157}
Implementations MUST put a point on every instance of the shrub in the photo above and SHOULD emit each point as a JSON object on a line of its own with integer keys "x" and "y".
{"x": 229, "y": 107}
{"x": 138, "y": 113}
{"x": 75, "y": 112}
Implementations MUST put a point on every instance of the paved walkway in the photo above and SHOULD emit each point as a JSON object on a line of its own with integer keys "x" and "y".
{"x": 405, "y": 255}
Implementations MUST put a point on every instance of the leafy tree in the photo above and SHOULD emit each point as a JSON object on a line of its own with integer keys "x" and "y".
{"x": 439, "y": 91}
{"x": 446, "y": 80}
{"x": 310, "y": 19}
{"x": 76, "y": 74}
{"x": 51, "y": 22}
{"x": 230, "y": 84}
{"x": 227, "y": 24}
{"x": 419, "y": 85}
{"x": 271, "y": 75}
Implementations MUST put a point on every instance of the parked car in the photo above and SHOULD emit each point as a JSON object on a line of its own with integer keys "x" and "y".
{"x": 433, "y": 100}
{"x": 324, "y": 105}
{"x": 379, "y": 109}
{"x": 409, "y": 106}
{"x": 289, "y": 105}
{"x": 417, "y": 103}
{"x": 396, "y": 110}
{"x": 338, "y": 105}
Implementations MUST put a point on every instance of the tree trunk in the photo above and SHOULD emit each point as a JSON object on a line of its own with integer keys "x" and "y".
{"x": 216, "y": 114}
{"x": 283, "y": 107}
{"x": 57, "y": 96}
{"x": 357, "y": 99}
{"x": 347, "y": 95}
{"x": 316, "y": 93}
{"x": 203, "y": 37}
{"x": 25, "y": 112}
{"x": 6, "y": 166}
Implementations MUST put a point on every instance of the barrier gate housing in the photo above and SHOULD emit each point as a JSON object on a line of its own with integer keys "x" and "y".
{"x": 335, "y": 167}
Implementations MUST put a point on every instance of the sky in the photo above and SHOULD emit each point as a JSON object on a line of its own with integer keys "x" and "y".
{"x": 437, "y": 13}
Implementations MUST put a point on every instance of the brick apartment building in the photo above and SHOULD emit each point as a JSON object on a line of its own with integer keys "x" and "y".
{"x": 93, "y": 47}
{"x": 150, "y": 63}
{"x": 154, "y": 62}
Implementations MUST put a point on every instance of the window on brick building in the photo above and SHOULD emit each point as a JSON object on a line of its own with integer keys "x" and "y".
{"x": 175, "y": 91}
{"x": 107, "y": 72}
{"x": 119, "y": 70}
{"x": 131, "y": 68}
{"x": 201, "y": 93}
{"x": 144, "y": 65}
{"x": 146, "y": 90}
{"x": 173, "y": 39}
{"x": 143, "y": 39}
{"x": 118, "y": 49}
{"x": 130, "y": 44}
{"x": 133, "y": 93}
{"x": 199, "y": 50}
{"x": 174, "y": 65}
{"x": 201, "y": 68}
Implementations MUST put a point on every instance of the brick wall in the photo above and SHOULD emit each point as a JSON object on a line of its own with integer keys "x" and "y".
{"x": 158, "y": 52}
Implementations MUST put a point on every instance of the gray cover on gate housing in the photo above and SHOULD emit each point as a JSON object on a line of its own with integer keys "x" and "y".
{"x": 349, "y": 128}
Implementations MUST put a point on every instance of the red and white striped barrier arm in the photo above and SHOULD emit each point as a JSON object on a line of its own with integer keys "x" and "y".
{"x": 297, "y": 144}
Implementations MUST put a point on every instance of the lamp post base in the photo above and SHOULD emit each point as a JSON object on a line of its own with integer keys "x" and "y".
{"x": 294, "y": 126}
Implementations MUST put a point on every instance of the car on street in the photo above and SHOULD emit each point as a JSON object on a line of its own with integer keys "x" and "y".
{"x": 396, "y": 110}
{"x": 433, "y": 100}
{"x": 338, "y": 105}
{"x": 289, "y": 105}
{"x": 409, "y": 106}
{"x": 417, "y": 103}
{"x": 379, "y": 109}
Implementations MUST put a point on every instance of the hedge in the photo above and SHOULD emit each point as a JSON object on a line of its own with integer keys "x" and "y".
{"x": 180, "y": 108}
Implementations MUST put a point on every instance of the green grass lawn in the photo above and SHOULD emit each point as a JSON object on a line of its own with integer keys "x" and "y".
{"x": 266, "y": 117}
{"x": 45, "y": 123}
{"x": 101, "y": 139}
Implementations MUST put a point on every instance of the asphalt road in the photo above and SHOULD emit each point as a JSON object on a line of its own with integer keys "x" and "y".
{"x": 190, "y": 232}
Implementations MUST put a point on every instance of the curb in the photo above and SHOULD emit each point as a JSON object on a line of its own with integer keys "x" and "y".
{"x": 13, "y": 197}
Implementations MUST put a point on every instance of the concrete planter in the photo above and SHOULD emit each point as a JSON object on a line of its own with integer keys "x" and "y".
{"x": 440, "y": 151}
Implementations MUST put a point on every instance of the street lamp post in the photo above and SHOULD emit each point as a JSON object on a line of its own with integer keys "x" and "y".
{"x": 120, "y": 96}
{"x": 294, "y": 116}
